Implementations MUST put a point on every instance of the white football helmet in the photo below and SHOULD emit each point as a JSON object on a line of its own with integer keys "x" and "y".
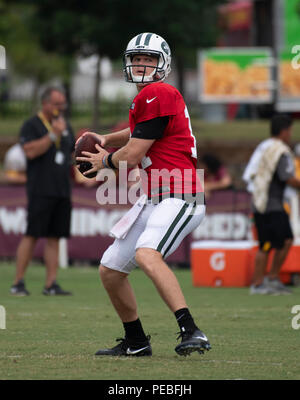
{"x": 153, "y": 45}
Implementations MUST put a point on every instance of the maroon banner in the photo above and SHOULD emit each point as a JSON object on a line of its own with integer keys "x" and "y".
{"x": 90, "y": 225}
{"x": 227, "y": 217}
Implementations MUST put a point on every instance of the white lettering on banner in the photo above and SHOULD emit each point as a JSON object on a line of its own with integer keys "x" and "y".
{"x": 89, "y": 222}
{"x": 221, "y": 226}
{"x": 240, "y": 226}
{"x": 224, "y": 226}
{"x": 217, "y": 261}
{"x": 13, "y": 221}
{"x": 86, "y": 222}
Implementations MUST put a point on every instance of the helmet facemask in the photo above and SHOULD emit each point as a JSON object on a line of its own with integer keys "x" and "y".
{"x": 158, "y": 73}
{"x": 152, "y": 45}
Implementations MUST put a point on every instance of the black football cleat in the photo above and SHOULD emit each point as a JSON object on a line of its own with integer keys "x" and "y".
{"x": 55, "y": 290}
{"x": 19, "y": 289}
{"x": 126, "y": 348}
{"x": 196, "y": 341}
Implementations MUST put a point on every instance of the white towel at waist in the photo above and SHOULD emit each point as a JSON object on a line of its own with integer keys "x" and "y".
{"x": 122, "y": 227}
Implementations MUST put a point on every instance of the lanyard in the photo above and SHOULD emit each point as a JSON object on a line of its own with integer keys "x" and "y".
{"x": 48, "y": 127}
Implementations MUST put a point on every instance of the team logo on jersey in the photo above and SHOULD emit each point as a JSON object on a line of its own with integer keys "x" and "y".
{"x": 132, "y": 106}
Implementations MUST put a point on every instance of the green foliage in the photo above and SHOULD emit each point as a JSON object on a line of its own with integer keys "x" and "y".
{"x": 106, "y": 26}
{"x": 49, "y": 33}
{"x": 27, "y": 57}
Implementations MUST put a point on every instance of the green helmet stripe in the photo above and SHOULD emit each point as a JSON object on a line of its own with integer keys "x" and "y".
{"x": 138, "y": 39}
{"x": 147, "y": 39}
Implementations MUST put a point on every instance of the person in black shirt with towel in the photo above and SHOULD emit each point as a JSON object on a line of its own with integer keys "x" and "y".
{"x": 48, "y": 142}
{"x": 268, "y": 173}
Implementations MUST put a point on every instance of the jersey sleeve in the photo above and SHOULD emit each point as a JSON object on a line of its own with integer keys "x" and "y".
{"x": 154, "y": 101}
{"x": 151, "y": 129}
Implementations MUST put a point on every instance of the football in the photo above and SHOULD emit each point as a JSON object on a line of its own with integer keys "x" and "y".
{"x": 86, "y": 143}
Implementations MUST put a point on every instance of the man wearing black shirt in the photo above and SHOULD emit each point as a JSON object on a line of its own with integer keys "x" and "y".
{"x": 274, "y": 171}
{"x": 48, "y": 143}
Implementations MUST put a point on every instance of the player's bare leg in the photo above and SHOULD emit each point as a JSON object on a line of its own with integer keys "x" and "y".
{"x": 135, "y": 343}
{"x": 120, "y": 293}
{"x": 152, "y": 263}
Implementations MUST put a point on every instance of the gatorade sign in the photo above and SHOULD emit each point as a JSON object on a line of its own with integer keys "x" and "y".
{"x": 217, "y": 261}
{"x": 221, "y": 263}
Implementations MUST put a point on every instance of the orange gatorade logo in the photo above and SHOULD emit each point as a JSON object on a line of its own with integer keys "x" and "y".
{"x": 217, "y": 261}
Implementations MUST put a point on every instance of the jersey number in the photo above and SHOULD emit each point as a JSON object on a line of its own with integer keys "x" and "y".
{"x": 194, "y": 148}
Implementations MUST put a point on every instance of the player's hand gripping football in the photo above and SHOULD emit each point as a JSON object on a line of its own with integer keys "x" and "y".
{"x": 95, "y": 159}
{"x": 101, "y": 138}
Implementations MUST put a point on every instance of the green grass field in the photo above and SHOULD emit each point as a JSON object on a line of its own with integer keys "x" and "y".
{"x": 56, "y": 338}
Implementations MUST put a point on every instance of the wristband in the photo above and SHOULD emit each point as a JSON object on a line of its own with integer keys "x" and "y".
{"x": 109, "y": 161}
{"x": 52, "y": 136}
{"x": 104, "y": 162}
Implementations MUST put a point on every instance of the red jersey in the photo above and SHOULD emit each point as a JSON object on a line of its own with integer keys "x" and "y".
{"x": 170, "y": 163}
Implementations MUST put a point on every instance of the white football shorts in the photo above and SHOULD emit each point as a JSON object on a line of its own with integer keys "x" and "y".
{"x": 160, "y": 226}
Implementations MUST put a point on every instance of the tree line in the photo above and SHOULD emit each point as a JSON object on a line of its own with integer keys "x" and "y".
{"x": 43, "y": 39}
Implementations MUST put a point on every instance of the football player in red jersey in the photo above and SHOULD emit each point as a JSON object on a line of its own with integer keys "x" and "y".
{"x": 161, "y": 142}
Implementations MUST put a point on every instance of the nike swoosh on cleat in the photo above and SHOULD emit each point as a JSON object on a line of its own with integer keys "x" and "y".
{"x": 131, "y": 352}
{"x": 201, "y": 337}
{"x": 149, "y": 101}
